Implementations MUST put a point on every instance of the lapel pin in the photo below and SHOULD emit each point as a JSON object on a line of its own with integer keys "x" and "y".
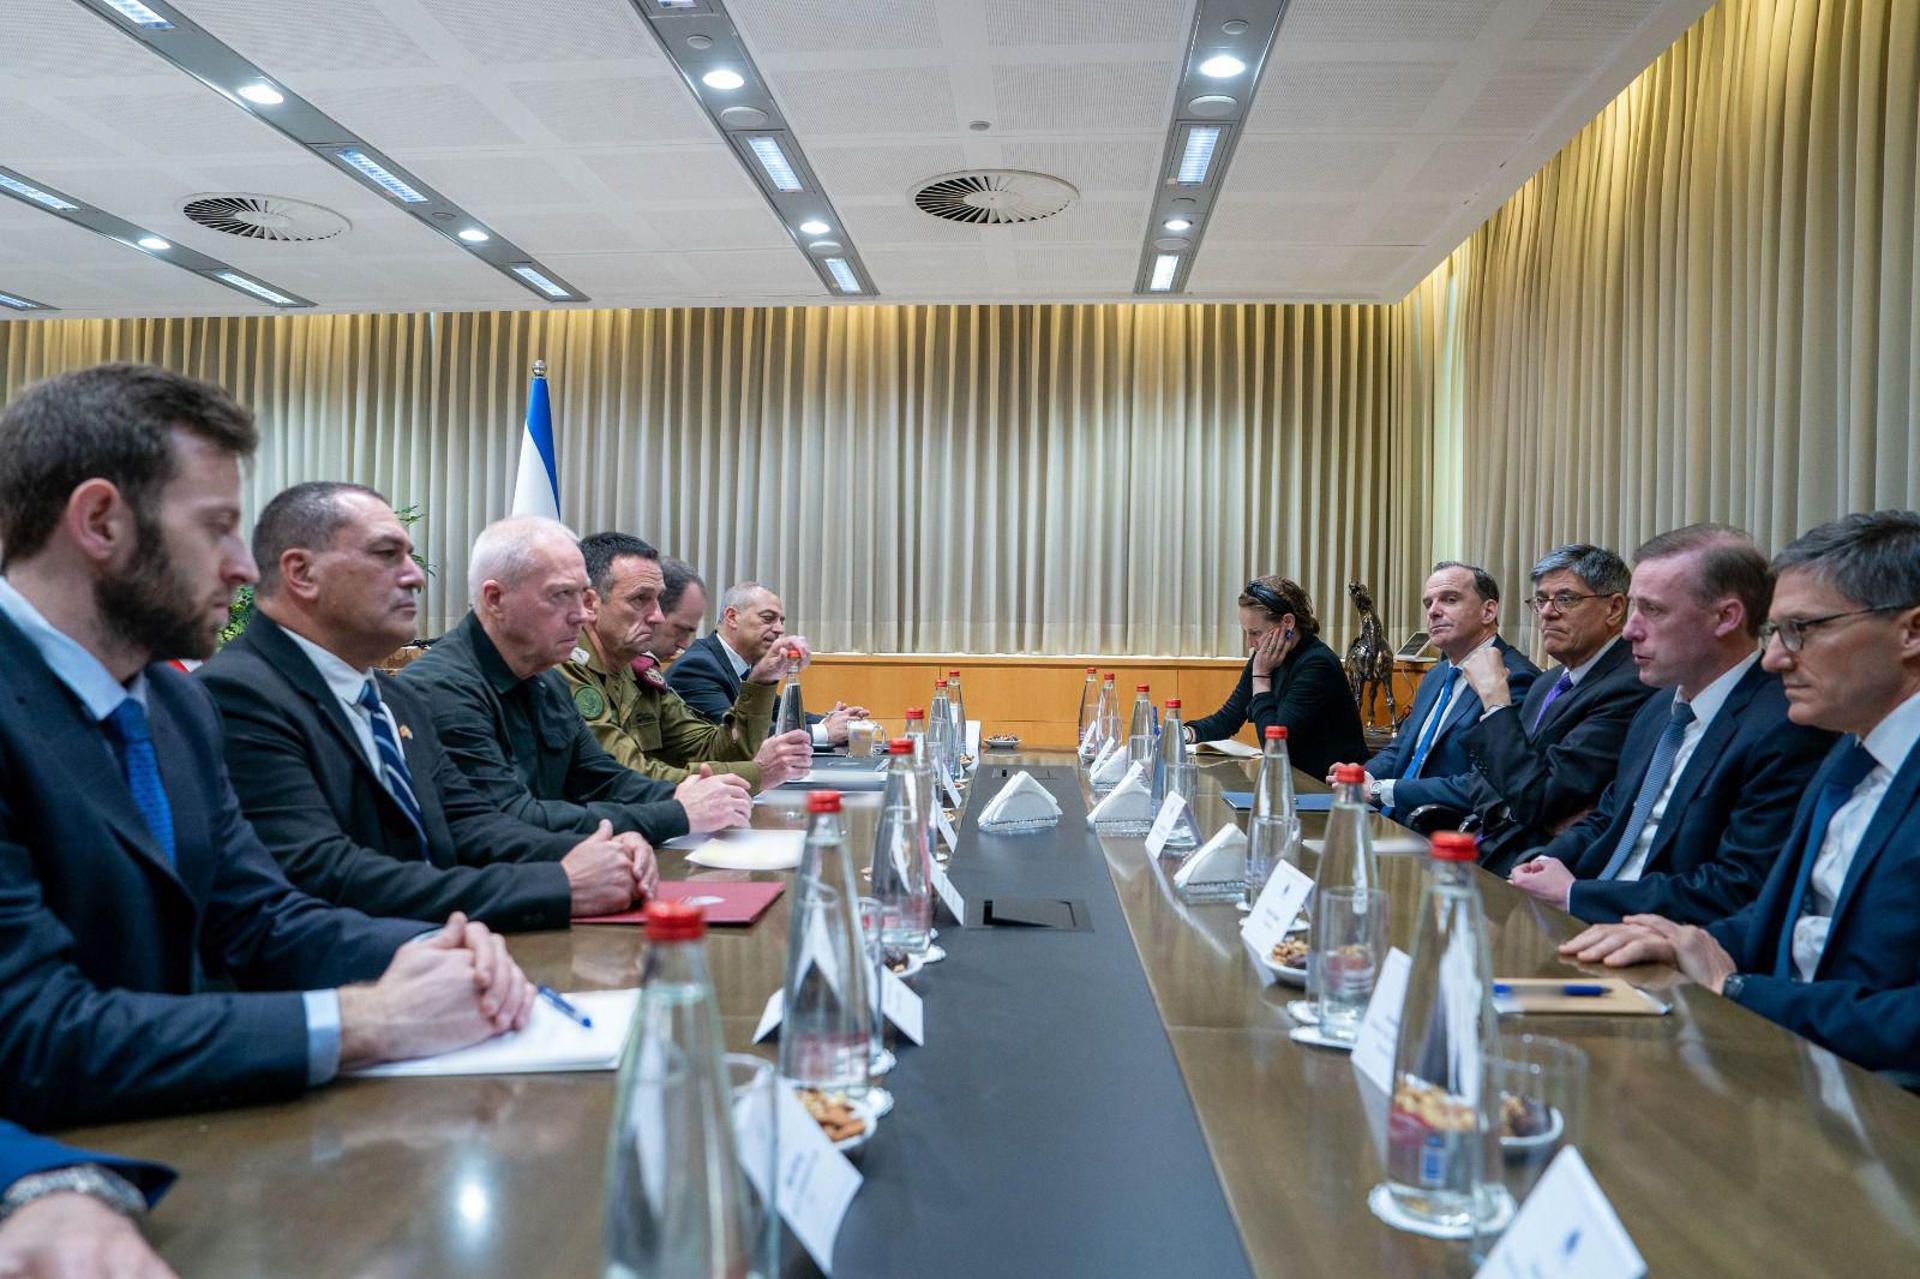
{"x": 406, "y": 733}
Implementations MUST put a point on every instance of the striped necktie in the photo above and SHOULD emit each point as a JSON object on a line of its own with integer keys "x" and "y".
{"x": 128, "y": 725}
{"x": 393, "y": 764}
{"x": 1659, "y": 769}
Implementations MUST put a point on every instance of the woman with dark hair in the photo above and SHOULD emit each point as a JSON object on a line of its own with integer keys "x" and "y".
{"x": 1292, "y": 679}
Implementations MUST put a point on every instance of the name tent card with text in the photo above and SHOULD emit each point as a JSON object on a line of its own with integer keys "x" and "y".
{"x": 1566, "y": 1230}
{"x": 816, "y": 1183}
{"x": 1380, "y": 1028}
{"x": 949, "y": 895}
{"x": 1164, "y": 823}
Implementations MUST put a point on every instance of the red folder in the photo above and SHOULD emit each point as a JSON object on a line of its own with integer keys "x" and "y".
{"x": 726, "y": 901}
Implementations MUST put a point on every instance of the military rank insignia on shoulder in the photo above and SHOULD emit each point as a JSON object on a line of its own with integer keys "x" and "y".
{"x": 653, "y": 680}
{"x": 589, "y": 702}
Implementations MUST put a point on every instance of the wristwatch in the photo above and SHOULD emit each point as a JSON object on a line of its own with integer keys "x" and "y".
{"x": 1732, "y": 986}
{"x": 1373, "y": 792}
{"x": 111, "y": 1189}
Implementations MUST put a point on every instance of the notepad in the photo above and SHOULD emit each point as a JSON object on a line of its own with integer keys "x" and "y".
{"x": 744, "y": 848}
{"x": 551, "y": 1043}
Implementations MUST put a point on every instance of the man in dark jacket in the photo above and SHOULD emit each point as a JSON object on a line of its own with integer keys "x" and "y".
{"x": 505, "y": 715}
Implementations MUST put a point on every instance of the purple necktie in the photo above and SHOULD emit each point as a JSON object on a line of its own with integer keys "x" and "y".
{"x": 1560, "y": 686}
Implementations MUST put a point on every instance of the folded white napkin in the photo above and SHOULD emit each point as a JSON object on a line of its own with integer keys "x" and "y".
{"x": 1222, "y": 857}
{"x": 1022, "y": 799}
{"x": 1130, "y": 801}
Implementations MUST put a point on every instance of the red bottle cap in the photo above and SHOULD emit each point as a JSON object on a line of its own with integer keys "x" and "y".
{"x": 916, "y": 712}
{"x": 939, "y": 683}
{"x": 823, "y": 801}
{"x": 953, "y": 674}
{"x": 1112, "y": 676}
{"x": 1280, "y": 731}
{"x": 676, "y": 921}
{"x": 1141, "y": 688}
{"x": 900, "y": 746}
{"x": 1348, "y": 774}
{"x": 1173, "y": 703}
{"x": 1455, "y": 846}
{"x": 1093, "y": 670}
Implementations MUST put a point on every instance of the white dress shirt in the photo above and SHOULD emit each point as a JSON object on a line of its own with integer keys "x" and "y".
{"x": 818, "y": 732}
{"x": 1706, "y": 704}
{"x": 1890, "y": 742}
{"x": 346, "y": 683}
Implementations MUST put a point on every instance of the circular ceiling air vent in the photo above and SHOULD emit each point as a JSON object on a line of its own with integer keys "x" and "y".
{"x": 994, "y": 197}
{"x": 263, "y": 217}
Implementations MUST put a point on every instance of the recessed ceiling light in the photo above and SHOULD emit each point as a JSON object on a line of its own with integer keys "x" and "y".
{"x": 473, "y": 235}
{"x": 139, "y": 15}
{"x": 1177, "y": 224}
{"x": 254, "y": 287}
{"x": 382, "y": 177}
{"x": 45, "y": 199}
{"x": 261, "y": 94}
{"x": 1222, "y": 66}
{"x": 1163, "y": 268}
{"x": 814, "y": 226}
{"x": 153, "y": 243}
{"x": 723, "y": 78}
{"x": 532, "y": 276}
{"x": 1196, "y": 156}
{"x": 843, "y": 275}
{"x": 773, "y": 161}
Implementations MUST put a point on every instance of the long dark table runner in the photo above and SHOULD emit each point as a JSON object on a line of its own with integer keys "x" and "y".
{"x": 1044, "y": 1129}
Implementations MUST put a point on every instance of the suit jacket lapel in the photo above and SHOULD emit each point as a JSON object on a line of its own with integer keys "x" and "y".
{"x": 81, "y": 748}
{"x": 271, "y": 642}
{"x": 1895, "y": 804}
{"x": 1704, "y": 758}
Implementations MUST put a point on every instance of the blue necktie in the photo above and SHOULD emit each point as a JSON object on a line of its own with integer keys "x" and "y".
{"x": 1659, "y": 769}
{"x": 1841, "y": 783}
{"x": 1560, "y": 686}
{"x": 1431, "y": 730}
{"x": 393, "y": 764}
{"x": 128, "y": 724}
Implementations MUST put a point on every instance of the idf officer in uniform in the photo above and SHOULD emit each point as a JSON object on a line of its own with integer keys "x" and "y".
{"x": 620, "y": 692}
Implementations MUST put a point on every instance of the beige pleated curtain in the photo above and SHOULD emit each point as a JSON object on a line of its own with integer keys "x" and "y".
{"x": 1072, "y": 479}
{"x": 1702, "y": 308}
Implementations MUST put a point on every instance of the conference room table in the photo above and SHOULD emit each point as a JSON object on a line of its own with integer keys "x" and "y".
{"x": 1115, "y": 1097}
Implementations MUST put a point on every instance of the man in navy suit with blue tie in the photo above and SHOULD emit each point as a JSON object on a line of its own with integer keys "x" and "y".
{"x": 1713, "y": 768}
{"x": 1425, "y": 763}
{"x": 128, "y": 877}
{"x": 1831, "y": 948}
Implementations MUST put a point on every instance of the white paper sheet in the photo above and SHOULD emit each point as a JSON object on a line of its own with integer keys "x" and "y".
{"x": 552, "y": 1041}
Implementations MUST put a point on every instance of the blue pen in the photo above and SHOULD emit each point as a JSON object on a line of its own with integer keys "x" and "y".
{"x": 559, "y": 1001}
{"x": 1502, "y": 988}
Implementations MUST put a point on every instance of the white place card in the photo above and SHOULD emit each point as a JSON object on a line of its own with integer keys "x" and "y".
{"x": 952, "y": 788}
{"x": 1380, "y": 1028}
{"x": 816, "y": 1183}
{"x": 949, "y": 895}
{"x": 1566, "y": 1230}
{"x": 1088, "y": 740}
{"x": 770, "y": 1015}
{"x": 1164, "y": 822}
{"x": 973, "y": 740}
{"x": 903, "y": 1007}
{"x": 945, "y": 827}
{"x": 1274, "y": 910}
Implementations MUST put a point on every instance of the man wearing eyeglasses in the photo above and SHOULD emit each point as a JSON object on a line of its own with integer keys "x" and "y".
{"x": 1831, "y": 948}
{"x": 1425, "y": 763}
{"x": 1541, "y": 762}
{"x": 1712, "y": 769}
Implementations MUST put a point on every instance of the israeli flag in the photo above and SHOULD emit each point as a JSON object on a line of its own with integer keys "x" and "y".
{"x": 536, "y": 489}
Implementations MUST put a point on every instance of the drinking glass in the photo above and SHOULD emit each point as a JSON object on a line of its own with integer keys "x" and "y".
{"x": 872, "y": 922}
{"x": 861, "y": 736}
{"x": 1349, "y": 940}
{"x": 750, "y": 1086}
{"x": 1543, "y": 1105}
{"x": 826, "y": 1036}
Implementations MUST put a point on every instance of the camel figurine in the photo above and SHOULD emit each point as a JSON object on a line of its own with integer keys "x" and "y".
{"x": 1369, "y": 661}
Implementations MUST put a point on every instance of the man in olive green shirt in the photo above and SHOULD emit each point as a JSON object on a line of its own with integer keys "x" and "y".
{"x": 620, "y": 693}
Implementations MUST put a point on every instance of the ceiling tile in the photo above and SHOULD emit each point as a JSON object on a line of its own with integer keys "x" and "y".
{"x": 1068, "y": 22}
{"x": 855, "y": 103}
{"x": 1384, "y": 21}
{"x": 502, "y": 32}
{"x": 617, "y": 109}
{"x": 882, "y": 169}
{"x": 1110, "y": 96}
{"x": 775, "y": 27}
{"x": 1345, "y": 95}
{"x": 289, "y": 37}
